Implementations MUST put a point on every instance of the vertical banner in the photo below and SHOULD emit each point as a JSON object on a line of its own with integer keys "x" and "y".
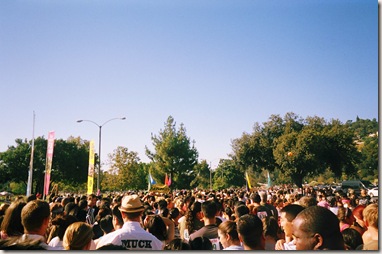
{"x": 48, "y": 164}
{"x": 247, "y": 177}
{"x": 91, "y": 167}
{"x": 166, "y": 180}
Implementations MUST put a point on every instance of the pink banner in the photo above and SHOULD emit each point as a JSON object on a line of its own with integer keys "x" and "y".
{"x": 48, "y": 165}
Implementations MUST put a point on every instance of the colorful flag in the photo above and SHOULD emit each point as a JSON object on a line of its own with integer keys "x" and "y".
{"x": 247, "y": 177}
{"x": 152, "y": 181}
{"x": 166, "y": 180}
{"x": 91, "y": 167}
{"x": 48, "y": 165}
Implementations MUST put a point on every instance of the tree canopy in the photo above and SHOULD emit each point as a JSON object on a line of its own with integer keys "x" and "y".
{"x": 174, "y": 154}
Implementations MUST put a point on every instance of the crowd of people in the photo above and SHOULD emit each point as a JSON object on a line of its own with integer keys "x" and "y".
{"x": 230, "y": 219}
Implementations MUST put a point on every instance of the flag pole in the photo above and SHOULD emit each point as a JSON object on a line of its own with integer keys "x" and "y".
{"x": 30, "y": 183}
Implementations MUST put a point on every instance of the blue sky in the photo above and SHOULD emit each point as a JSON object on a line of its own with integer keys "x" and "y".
{"x": 215, "y": 66}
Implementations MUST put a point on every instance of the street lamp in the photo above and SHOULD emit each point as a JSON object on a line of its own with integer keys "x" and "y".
{"x": 99, "y": 143}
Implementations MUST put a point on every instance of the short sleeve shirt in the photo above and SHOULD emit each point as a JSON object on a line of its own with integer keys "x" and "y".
{"x": 132, "y": 237}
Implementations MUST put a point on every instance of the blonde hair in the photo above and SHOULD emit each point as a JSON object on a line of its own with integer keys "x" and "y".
{"x": 370, "y": 214}
{"x": 77, "y": 236}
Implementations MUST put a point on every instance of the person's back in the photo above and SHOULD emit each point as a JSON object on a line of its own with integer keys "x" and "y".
{"x": 263, "y": 196}
{"x": 131, "y": 236}
{"x": 192, "y": 220}
{"x": 210, "y": 229}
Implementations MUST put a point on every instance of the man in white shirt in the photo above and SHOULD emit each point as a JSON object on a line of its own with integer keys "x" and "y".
{"x": 131, "y": 236}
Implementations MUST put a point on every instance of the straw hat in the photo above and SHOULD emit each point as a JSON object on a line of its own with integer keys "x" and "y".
{"x": 131, "y": 204}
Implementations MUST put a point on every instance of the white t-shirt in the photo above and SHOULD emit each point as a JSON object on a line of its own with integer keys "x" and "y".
{"x": 57, "y": 243}
{"x": 132, "y": 237}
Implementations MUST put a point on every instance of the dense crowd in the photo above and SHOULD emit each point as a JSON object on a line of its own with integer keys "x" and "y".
{"x": 230, "y": 219}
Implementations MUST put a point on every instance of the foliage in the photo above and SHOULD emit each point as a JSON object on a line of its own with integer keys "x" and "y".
{"x": 227, "y": 175}
{"x": 69, "y": 165}
{"x": 291, "y": 148}
{"x": 202, "y": 178}
{"x": 174, "y": 154}
{"x": 363, "y": 127}
{"x": 126, "y": 172}
{"x": 297, "y": 148}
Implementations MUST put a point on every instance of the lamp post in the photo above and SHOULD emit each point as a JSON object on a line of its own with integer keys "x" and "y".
{"x": 99, "y": 144}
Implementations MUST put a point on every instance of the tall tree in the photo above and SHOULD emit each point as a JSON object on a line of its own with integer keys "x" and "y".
{"x": 297, "y": 148}
{"x": 125, "y": 173}
{"x": 174, "y": 154}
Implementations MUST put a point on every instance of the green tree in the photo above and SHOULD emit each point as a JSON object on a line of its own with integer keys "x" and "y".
{"x": 125, "y": 173}
{"x": 368, "y": 165}
{"x": 70, "y": 161}
{"x": 174, "y": 154}
{"x": 202, "y": 178}
{"x": 296, "y": 148}
{"x": 69, "y": 164}
{"x": 340, "y": 153}
{"x": 228, "y": 175}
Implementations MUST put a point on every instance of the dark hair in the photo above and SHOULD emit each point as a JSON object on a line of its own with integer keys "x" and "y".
{"x": 106, "y": 224}
{"x": 291, "y": 211}
{"x": 255, "y": 198}
{"x": 191, "y": 216}
{"x": 82, "y": 204}
{"x": 317, "y": 219}
{"x": 241, "y": 210}
{"x": 201, "y": 243}
{"x": 352, "y": 238}
{"x": 102, "y": 213}
{"x": 177, "y": 244}
{"x": 162, "y": 204}
{"x": 117, "y": 213}
{"x": 250, "y": 227}
{"x": 270, "y": 227}
{"x": 209, "y": 209}
{"x": 164, "y": 212}
{"x": 71, "y": 208}
{"x": 157, "y": 227}
{"x": 174, "y": 212}
{"x": 62, "y": 223}
{"x": 11, "y": 223}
